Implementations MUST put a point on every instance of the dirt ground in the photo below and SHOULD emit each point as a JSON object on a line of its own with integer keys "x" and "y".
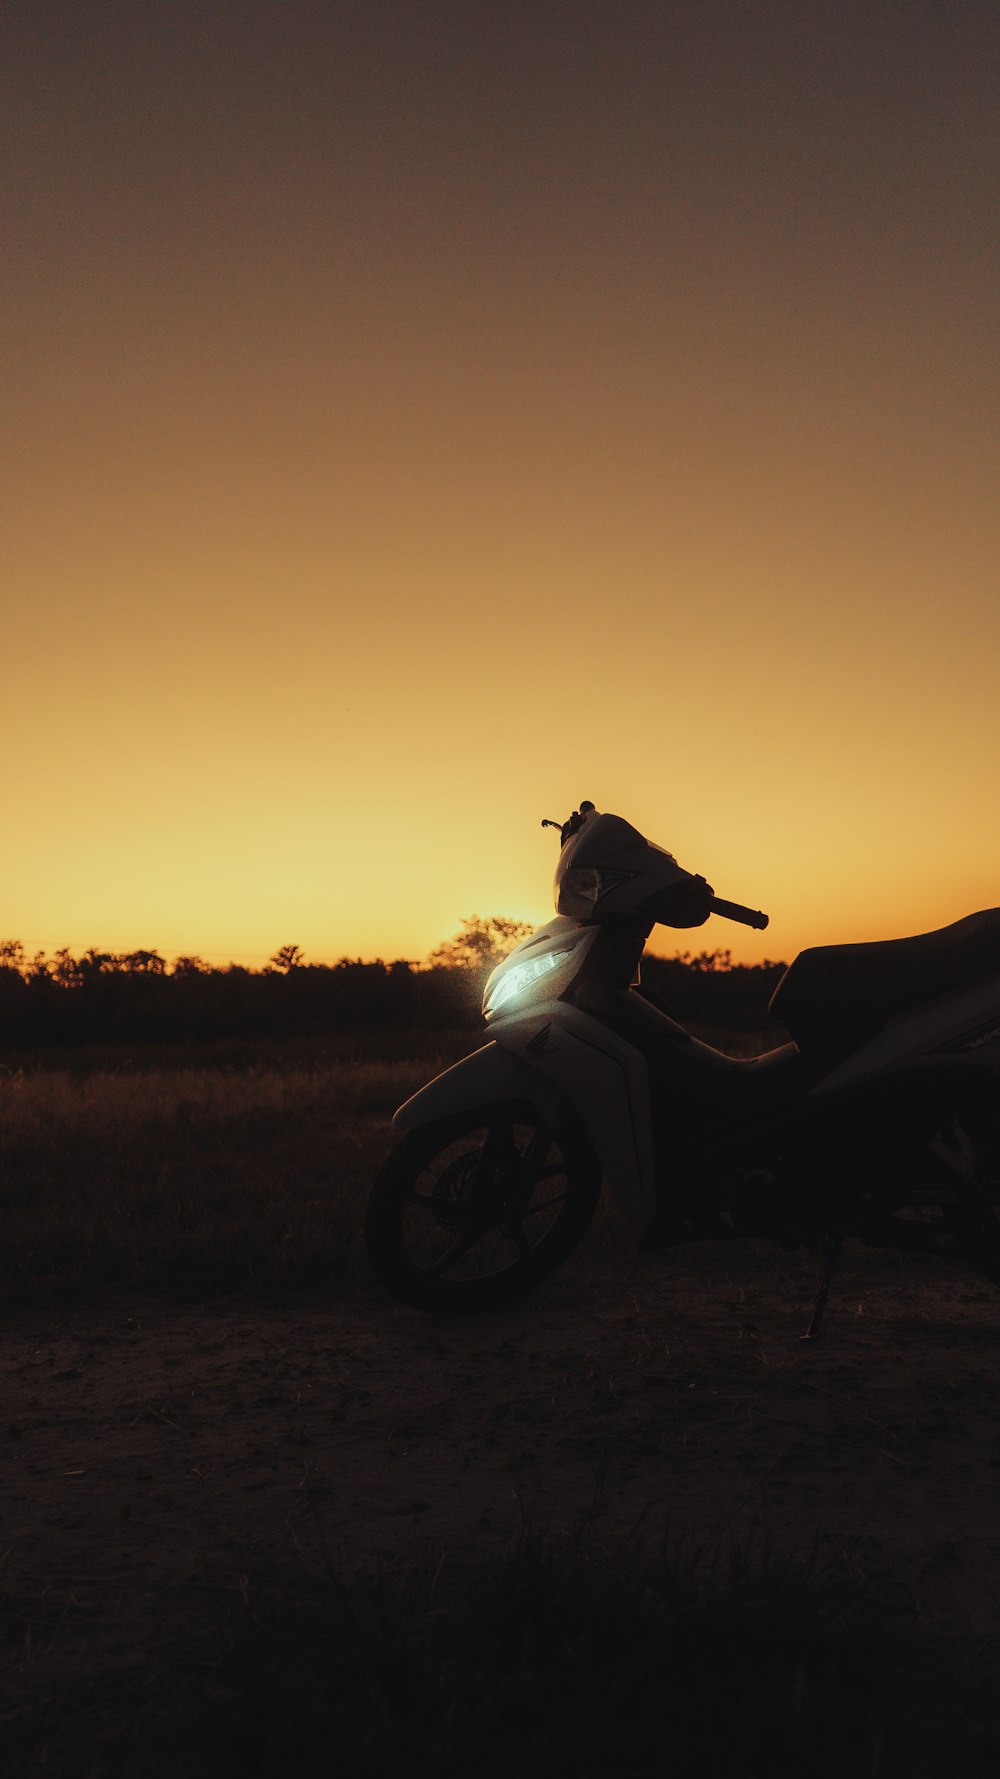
{"x": 160, "y": 1458}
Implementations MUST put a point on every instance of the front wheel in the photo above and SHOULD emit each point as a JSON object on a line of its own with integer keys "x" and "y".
{"x": 472, "y": 1211}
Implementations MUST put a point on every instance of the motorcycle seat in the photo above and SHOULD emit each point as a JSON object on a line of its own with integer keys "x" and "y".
{"x": 833, "y": 997}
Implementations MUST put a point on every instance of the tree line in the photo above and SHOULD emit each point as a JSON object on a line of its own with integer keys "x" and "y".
{"x": 140, "y": 997}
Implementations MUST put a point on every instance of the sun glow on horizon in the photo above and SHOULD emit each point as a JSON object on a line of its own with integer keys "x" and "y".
{"x": 410, "y": 438}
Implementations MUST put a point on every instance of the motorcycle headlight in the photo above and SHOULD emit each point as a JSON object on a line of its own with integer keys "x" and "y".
{"x": 514, "y": 982}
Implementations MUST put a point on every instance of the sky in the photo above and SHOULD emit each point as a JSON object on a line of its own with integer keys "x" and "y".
{"x": 420, "y": 417}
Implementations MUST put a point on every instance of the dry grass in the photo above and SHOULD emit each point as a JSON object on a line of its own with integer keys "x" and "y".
{"x": 200, "y": 1177}
{"x": 207, "y": 1174}
{"x": 559, "y": 1658}
{"x": 556, "y": 1657}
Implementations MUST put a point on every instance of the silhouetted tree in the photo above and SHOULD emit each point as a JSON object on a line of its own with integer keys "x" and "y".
{"x": 143, "y": 963}
{"x": 98, "y": 963}
{"x": 705, "y": 963}
{"x": 188, "y": 966}
{"x": 481, "y": 943}
{"x": 13, "y": 978}
{"x": 65, "y": 969}
{"x": 288, "y": 957}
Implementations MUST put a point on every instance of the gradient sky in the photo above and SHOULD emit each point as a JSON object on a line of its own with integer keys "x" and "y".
{"x": 421, "y": 416}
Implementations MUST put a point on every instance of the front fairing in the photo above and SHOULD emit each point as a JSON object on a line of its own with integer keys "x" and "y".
{"x": 540, "y": 969}
{"x": 608, "y": 867}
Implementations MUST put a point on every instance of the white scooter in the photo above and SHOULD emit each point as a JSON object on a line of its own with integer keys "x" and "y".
{"x": 880, "y": 1121}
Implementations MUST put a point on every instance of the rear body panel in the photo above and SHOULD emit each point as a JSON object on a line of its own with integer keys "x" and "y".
{"x": 969, "y": 1019}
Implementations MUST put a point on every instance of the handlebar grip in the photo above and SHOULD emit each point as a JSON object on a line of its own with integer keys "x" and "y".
{"x": 747, "y": 917}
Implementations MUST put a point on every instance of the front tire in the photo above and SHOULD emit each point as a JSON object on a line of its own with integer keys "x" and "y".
{"x": 470, "y": 1212}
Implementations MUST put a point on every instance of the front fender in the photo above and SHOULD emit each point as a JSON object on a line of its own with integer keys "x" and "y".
{"x": 579, "y": 1075}
{"x": 481, "y": 1079}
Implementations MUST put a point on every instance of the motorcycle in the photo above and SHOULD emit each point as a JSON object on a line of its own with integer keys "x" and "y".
{"x": 878, "y": 1119}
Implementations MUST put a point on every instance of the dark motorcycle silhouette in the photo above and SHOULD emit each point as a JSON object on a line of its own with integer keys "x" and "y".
{"x": 879, "y": 1121}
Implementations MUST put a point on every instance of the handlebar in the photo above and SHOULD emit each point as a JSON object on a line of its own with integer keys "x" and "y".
{"x": 748, "y": 917}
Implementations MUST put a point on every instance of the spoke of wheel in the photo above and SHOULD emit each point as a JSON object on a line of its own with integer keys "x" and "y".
{"x": 457, "y": 1249}
{"x": 546, "y": 1204}
{"x": 549, "y": 1173}
{"x": 518, "y": 1237}
{"x": 534, "y": 1155}
{"x": 500, "y": 1144}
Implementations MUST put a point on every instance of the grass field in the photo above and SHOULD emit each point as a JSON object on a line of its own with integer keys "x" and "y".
{"x": 560, "y": 1659}
{"x": 212, "y": 1174}
{"x": 228, "y": 1168}
{"x": 242, "y": 1170}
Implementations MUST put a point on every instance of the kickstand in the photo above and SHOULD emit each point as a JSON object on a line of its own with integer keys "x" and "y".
{"x": 829, "y": 1253}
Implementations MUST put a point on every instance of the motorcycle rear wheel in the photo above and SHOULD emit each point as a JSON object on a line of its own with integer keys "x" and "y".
{"x": 472, "y": 1211}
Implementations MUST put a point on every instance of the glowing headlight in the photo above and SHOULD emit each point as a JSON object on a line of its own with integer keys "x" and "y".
{"x": 515, "y": 981}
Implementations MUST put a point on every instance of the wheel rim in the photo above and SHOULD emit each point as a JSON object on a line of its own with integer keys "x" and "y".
{"x": 484, "y": 1202}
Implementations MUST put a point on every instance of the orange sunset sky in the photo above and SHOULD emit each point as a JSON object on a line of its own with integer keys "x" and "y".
{"x": 421, "y": 416}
